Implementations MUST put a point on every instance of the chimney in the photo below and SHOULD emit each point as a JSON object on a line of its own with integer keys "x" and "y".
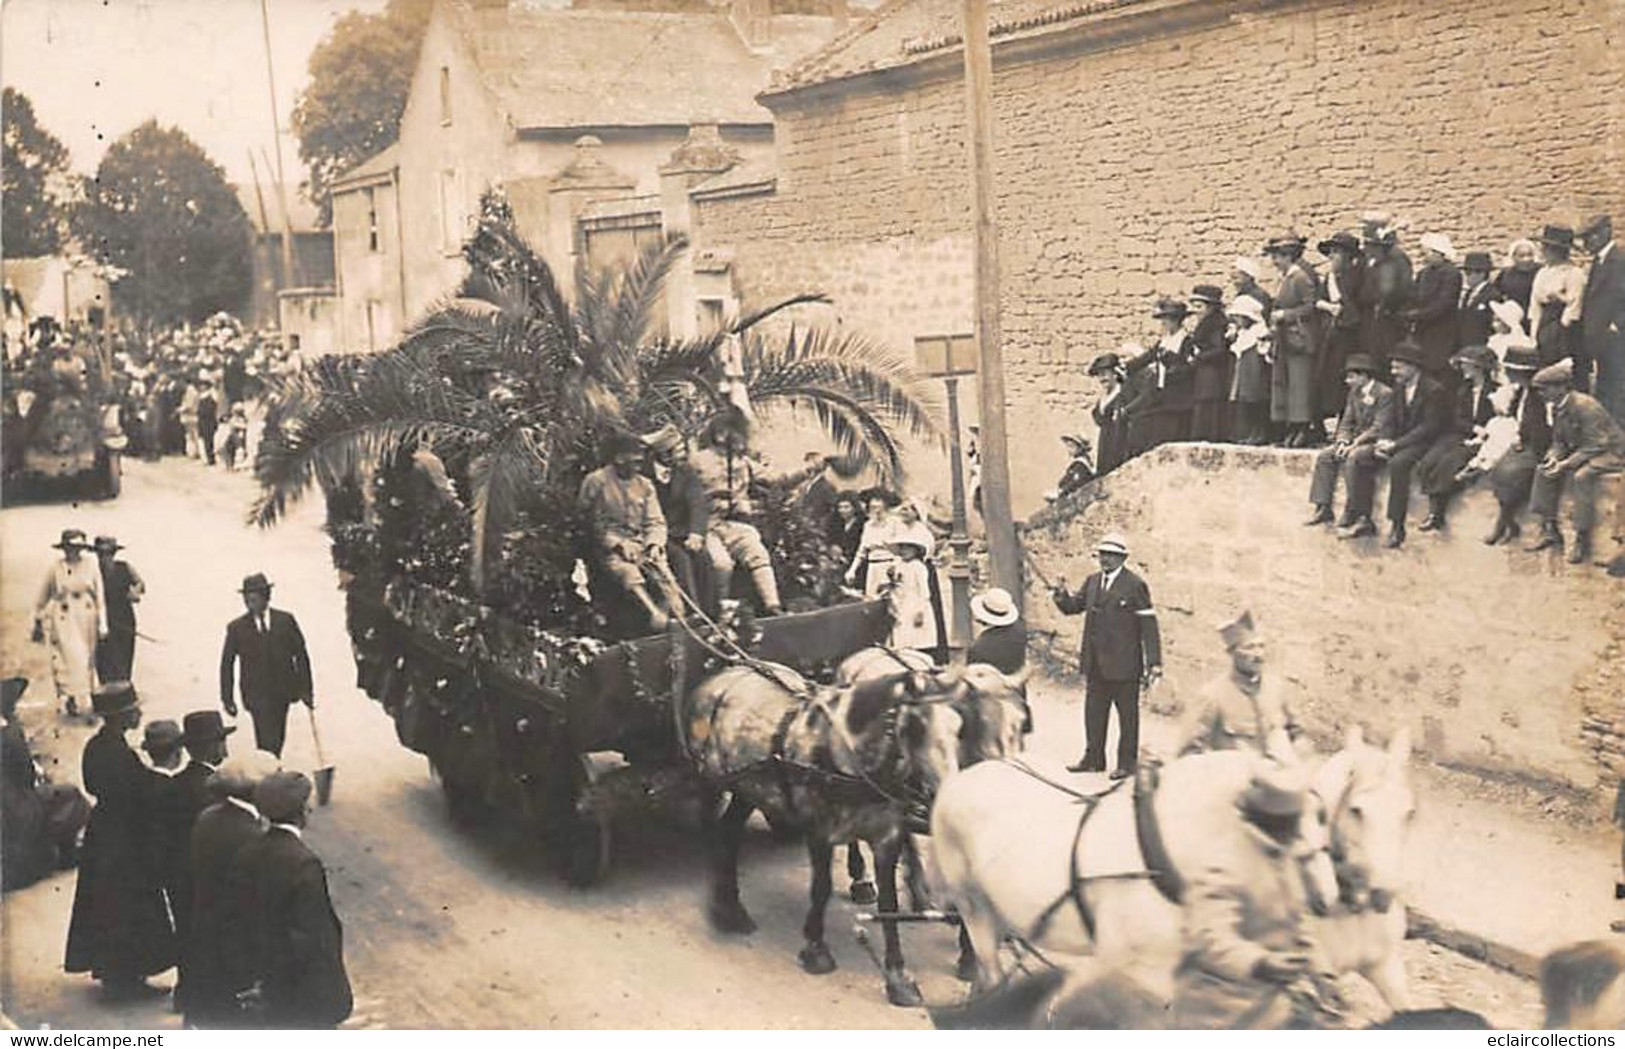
{"x": 753, "y": 21}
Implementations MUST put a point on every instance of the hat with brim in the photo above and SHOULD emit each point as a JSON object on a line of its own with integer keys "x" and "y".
{"x": 1347, "y": 243}
{"x": 108, "y": 543}
{"x": 162, "y": 735}
{"x": 1410, "y": 353}
{"x": 1112, "y": 543}
{"x": 1275, "y": 795}
{"x": 1238, "y": 631}
{"x": 1072, "y": 440}
{"x": 1246, "y": 306}
{"x": 1105, "y": 363}
{"x": 1477, "y": 262}
{"x": 1360, "y": 362}
{"x": 1520, "y": 359}
{"x": 1508, "y": 312}
{"x": 620, "y": 444}
{"x": 1167, "y": 307}
{"x": 281, "y": 796}
{"x": 1243, "y": 264}
{"x": 1595, "y": 224}
{"x": 1559, "y": 374}
{"x": 72, "y": 539}
{"x": 994, "y": 607}
{"x": 204, "y": 726}
{"x": 1557, "y": 237}
{"x": 255, "y": 584}
{"x": 1284, "y": 243}
{"x": 1211, "y": 294}
{"x": 1440, "y": 243}
{"x": 115, "y": 697}
{"x": 1479, "y": 356}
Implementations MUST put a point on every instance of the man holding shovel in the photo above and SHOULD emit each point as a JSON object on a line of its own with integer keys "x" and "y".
{"x": 275, "y": 666}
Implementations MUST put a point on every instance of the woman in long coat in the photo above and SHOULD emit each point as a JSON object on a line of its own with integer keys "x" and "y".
{"x": 120, "y": 931}
{"x": 1339, "y": 300}
{"x": 71, "y": 616}
{"x": 1297, "y": 337}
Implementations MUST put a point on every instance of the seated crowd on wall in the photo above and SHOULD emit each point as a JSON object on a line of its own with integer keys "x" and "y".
{"x": 1443, "y": 374}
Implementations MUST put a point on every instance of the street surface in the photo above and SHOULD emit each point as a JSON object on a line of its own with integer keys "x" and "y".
{"x": 446, "y": 928}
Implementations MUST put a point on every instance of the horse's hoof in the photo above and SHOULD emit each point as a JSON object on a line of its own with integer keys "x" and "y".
{"x": 965, "y": 969}
{"x": 863, "y": 893}
{"x": 900, "y": 990}
{"x": 731, "y": 918}
{"x": 816, "y": 959}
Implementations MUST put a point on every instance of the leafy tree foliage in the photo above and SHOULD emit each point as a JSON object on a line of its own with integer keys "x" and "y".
{"x": 35, "y": 168}
{"x": 359, "y": 78}
{"x": 161, "y": 210}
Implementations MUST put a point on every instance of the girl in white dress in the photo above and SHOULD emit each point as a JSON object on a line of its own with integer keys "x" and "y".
{"x": 874, "y": 558}
{"x": 71, "y": 616}
{"x": 916, "y": 628}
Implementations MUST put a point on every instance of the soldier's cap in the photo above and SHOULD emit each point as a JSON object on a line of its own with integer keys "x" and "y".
{"x": 162, "y": 735}
{"x": 1112, "y": 543}
{"x": 1276, "y": 791}
{"x": 114, "y": 697}
{"x": 240, "y": 775}
{"x": 1238, "y": 631}
{"x": 281, "y": 796}
{"x": 1559, "y": 374}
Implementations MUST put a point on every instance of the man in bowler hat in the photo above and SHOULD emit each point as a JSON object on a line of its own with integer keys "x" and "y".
{"x": 275, "y": 666}
{"x": 1421, "y": 412}
{"x": 1120, "y": 650}
{"x": 1602, "y": 322}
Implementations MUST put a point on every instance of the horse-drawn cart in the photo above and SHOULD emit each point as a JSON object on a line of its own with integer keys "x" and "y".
{"x": 567, "y": 731}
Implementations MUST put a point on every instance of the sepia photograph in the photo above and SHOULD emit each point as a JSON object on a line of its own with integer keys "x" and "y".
{"x": 862, "y": 515}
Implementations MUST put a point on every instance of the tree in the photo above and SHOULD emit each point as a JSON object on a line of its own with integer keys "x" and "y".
{"x": 161, "y": 210}
{"x": 513, "y": 387}
{"x": 360, "y": 75}
{"x": 35, "y": 167}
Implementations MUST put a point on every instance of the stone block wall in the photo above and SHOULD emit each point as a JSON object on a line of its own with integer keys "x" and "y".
{"x": 1144, "y": 168}
{"x": 1501, "y": 661}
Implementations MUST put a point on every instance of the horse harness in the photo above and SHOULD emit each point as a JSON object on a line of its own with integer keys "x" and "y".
{"x": 1159, "y": 867}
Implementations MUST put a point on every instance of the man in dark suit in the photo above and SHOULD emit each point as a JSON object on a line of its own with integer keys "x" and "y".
{"x": 178, "y": 797}
{"x": 1478, "y": 291}
{"x": 216, "y": 952}
{"x": 1602, "y": 314}
{"x": 1587, "y": 444}
{"x": 1368, "y": 417}
{"x": 1421, "y": 411}
{"x": 1121, "y": 649}
{"x": 275, "y": 666}
{"x": 1432, "y": 313}
{"x": 299, "y": 941}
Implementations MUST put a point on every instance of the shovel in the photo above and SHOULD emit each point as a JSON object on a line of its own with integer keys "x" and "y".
{"x": 324, "y": 771}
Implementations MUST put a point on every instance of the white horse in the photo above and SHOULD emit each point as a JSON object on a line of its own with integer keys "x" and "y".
{"x": 1070, "y": 876}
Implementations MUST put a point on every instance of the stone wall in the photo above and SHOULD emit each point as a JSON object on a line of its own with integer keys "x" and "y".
{"x": 1145, "y": 168}
{"x": 1501, "y": 661}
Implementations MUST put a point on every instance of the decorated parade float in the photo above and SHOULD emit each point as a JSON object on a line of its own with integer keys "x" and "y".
{"x": 63, "y": 438}
{"x": 451, "y": 465}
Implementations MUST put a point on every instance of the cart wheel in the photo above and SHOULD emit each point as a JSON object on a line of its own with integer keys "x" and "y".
{"x": 584, "y": 840}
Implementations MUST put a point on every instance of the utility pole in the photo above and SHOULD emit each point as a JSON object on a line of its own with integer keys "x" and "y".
{"x": 276, "y": 140}
{"x": 1004, "y": 555}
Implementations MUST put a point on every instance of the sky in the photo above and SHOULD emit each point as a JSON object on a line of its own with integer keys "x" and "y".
{"x": 95, "y": 69}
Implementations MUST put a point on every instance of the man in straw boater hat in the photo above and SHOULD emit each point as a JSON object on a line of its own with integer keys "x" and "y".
{"x": 1120, "y": 651}
{"x": 1420, "y": 413}
{"x": 1003, "y": 641}
{"x": 1602, "y": 322}
{"x": 1242, "y": 708}
{"x": 216, "y": 965}
{"x": 1368, "y": 417}
{"x": 297, "y": 942}
{"x": 275, "y": 669}
{"x": 120, "y": 931}
{"x": 1587, "y": 445}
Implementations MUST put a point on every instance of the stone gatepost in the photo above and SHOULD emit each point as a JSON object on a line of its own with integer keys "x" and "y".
{"x": 703, "y": 155}
{"x": 585, "y": 179}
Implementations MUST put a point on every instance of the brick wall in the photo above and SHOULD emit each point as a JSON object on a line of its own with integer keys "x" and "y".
{"x": 1501, "y": 661}
{"x": 1146, "y": 168}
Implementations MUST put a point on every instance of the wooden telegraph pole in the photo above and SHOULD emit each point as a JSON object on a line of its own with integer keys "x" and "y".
{"x": 289, "y": 279}
{"x": 1001, "y": 530}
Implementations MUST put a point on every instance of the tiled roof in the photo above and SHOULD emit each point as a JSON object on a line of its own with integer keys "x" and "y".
{"x": 378, "y": 165}
{"x": 593, "y": 68}
{"x": 903, "y": 32}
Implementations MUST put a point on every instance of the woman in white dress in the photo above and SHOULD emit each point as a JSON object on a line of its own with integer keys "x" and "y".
{"x": 874, "y": 558}
{"x": 71, "y": 616}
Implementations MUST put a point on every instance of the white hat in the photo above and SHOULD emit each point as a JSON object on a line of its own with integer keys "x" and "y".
{"x": 1249, "y": 266}
{"x": 994, "y": 607}
{"x": 1440, "y": 243}
{"x": 1246, "y": 306}
{"x": 1508, "y": 312}
{"x": 1112, "y": 543}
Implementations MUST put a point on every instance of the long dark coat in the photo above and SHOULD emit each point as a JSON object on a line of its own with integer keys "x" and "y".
{"x": 1385, "y": 292}
{"x": 1214, "y": 368}
{"x": 120, "y": 926}
{"x": 1432, "y": 316}
{"x": 1344, "y": 336}
{"x": 176, "y": 802}
{"x": 115, "y": 654}
{"x": 1111, "y": 444}
{"x": 1120, "y": 633}
{"x": 299, "y": 942}
{"x": 216, "y": 951}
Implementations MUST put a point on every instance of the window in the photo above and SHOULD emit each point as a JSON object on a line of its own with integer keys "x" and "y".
{"x": 451, "y": 213}
{"x": 372, "y": 323}
{"x": 372, "y": 219}
{"x": 445, "y": 95}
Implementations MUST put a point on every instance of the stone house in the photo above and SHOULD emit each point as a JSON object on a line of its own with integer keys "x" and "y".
{"x": 560, "y": 107}
{"x": 312, "y": 251}
{"x": 1141, "y": 145}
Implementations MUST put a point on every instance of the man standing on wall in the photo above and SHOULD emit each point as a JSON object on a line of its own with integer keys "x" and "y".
{"x": 1120, "y": 651}
{"x": 275, "y": 665}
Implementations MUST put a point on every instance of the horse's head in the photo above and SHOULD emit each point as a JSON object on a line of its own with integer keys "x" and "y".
{"x": 905, "y": 730}
{"x": 1368, "y": 794}
{"x": 1312, "y": 851}
{"x": 993, "y": 706}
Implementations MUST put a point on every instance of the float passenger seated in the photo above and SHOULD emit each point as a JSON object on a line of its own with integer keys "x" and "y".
{"x": 727, "y": 470}
{"x": 628, "y": 527}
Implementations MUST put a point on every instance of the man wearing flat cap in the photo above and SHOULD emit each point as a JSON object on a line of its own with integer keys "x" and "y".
{"x": 1241, "y": 709}
{"x": 275, "y": 669}
{"x": 1587, "y": 445}
{"x": 1121, "y": 649}
{"x": 297, "y": 939}
{"x": 1602, "y": 324}
{"x": 1368, "y": 417}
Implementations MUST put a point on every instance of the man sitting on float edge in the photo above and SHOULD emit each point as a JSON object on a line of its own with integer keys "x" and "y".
{"x": 627, "y": 524}
{"x": 726, "y": 470}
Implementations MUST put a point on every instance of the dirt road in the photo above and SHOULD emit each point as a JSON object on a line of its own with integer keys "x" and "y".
{"x": 443, "y": 928}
